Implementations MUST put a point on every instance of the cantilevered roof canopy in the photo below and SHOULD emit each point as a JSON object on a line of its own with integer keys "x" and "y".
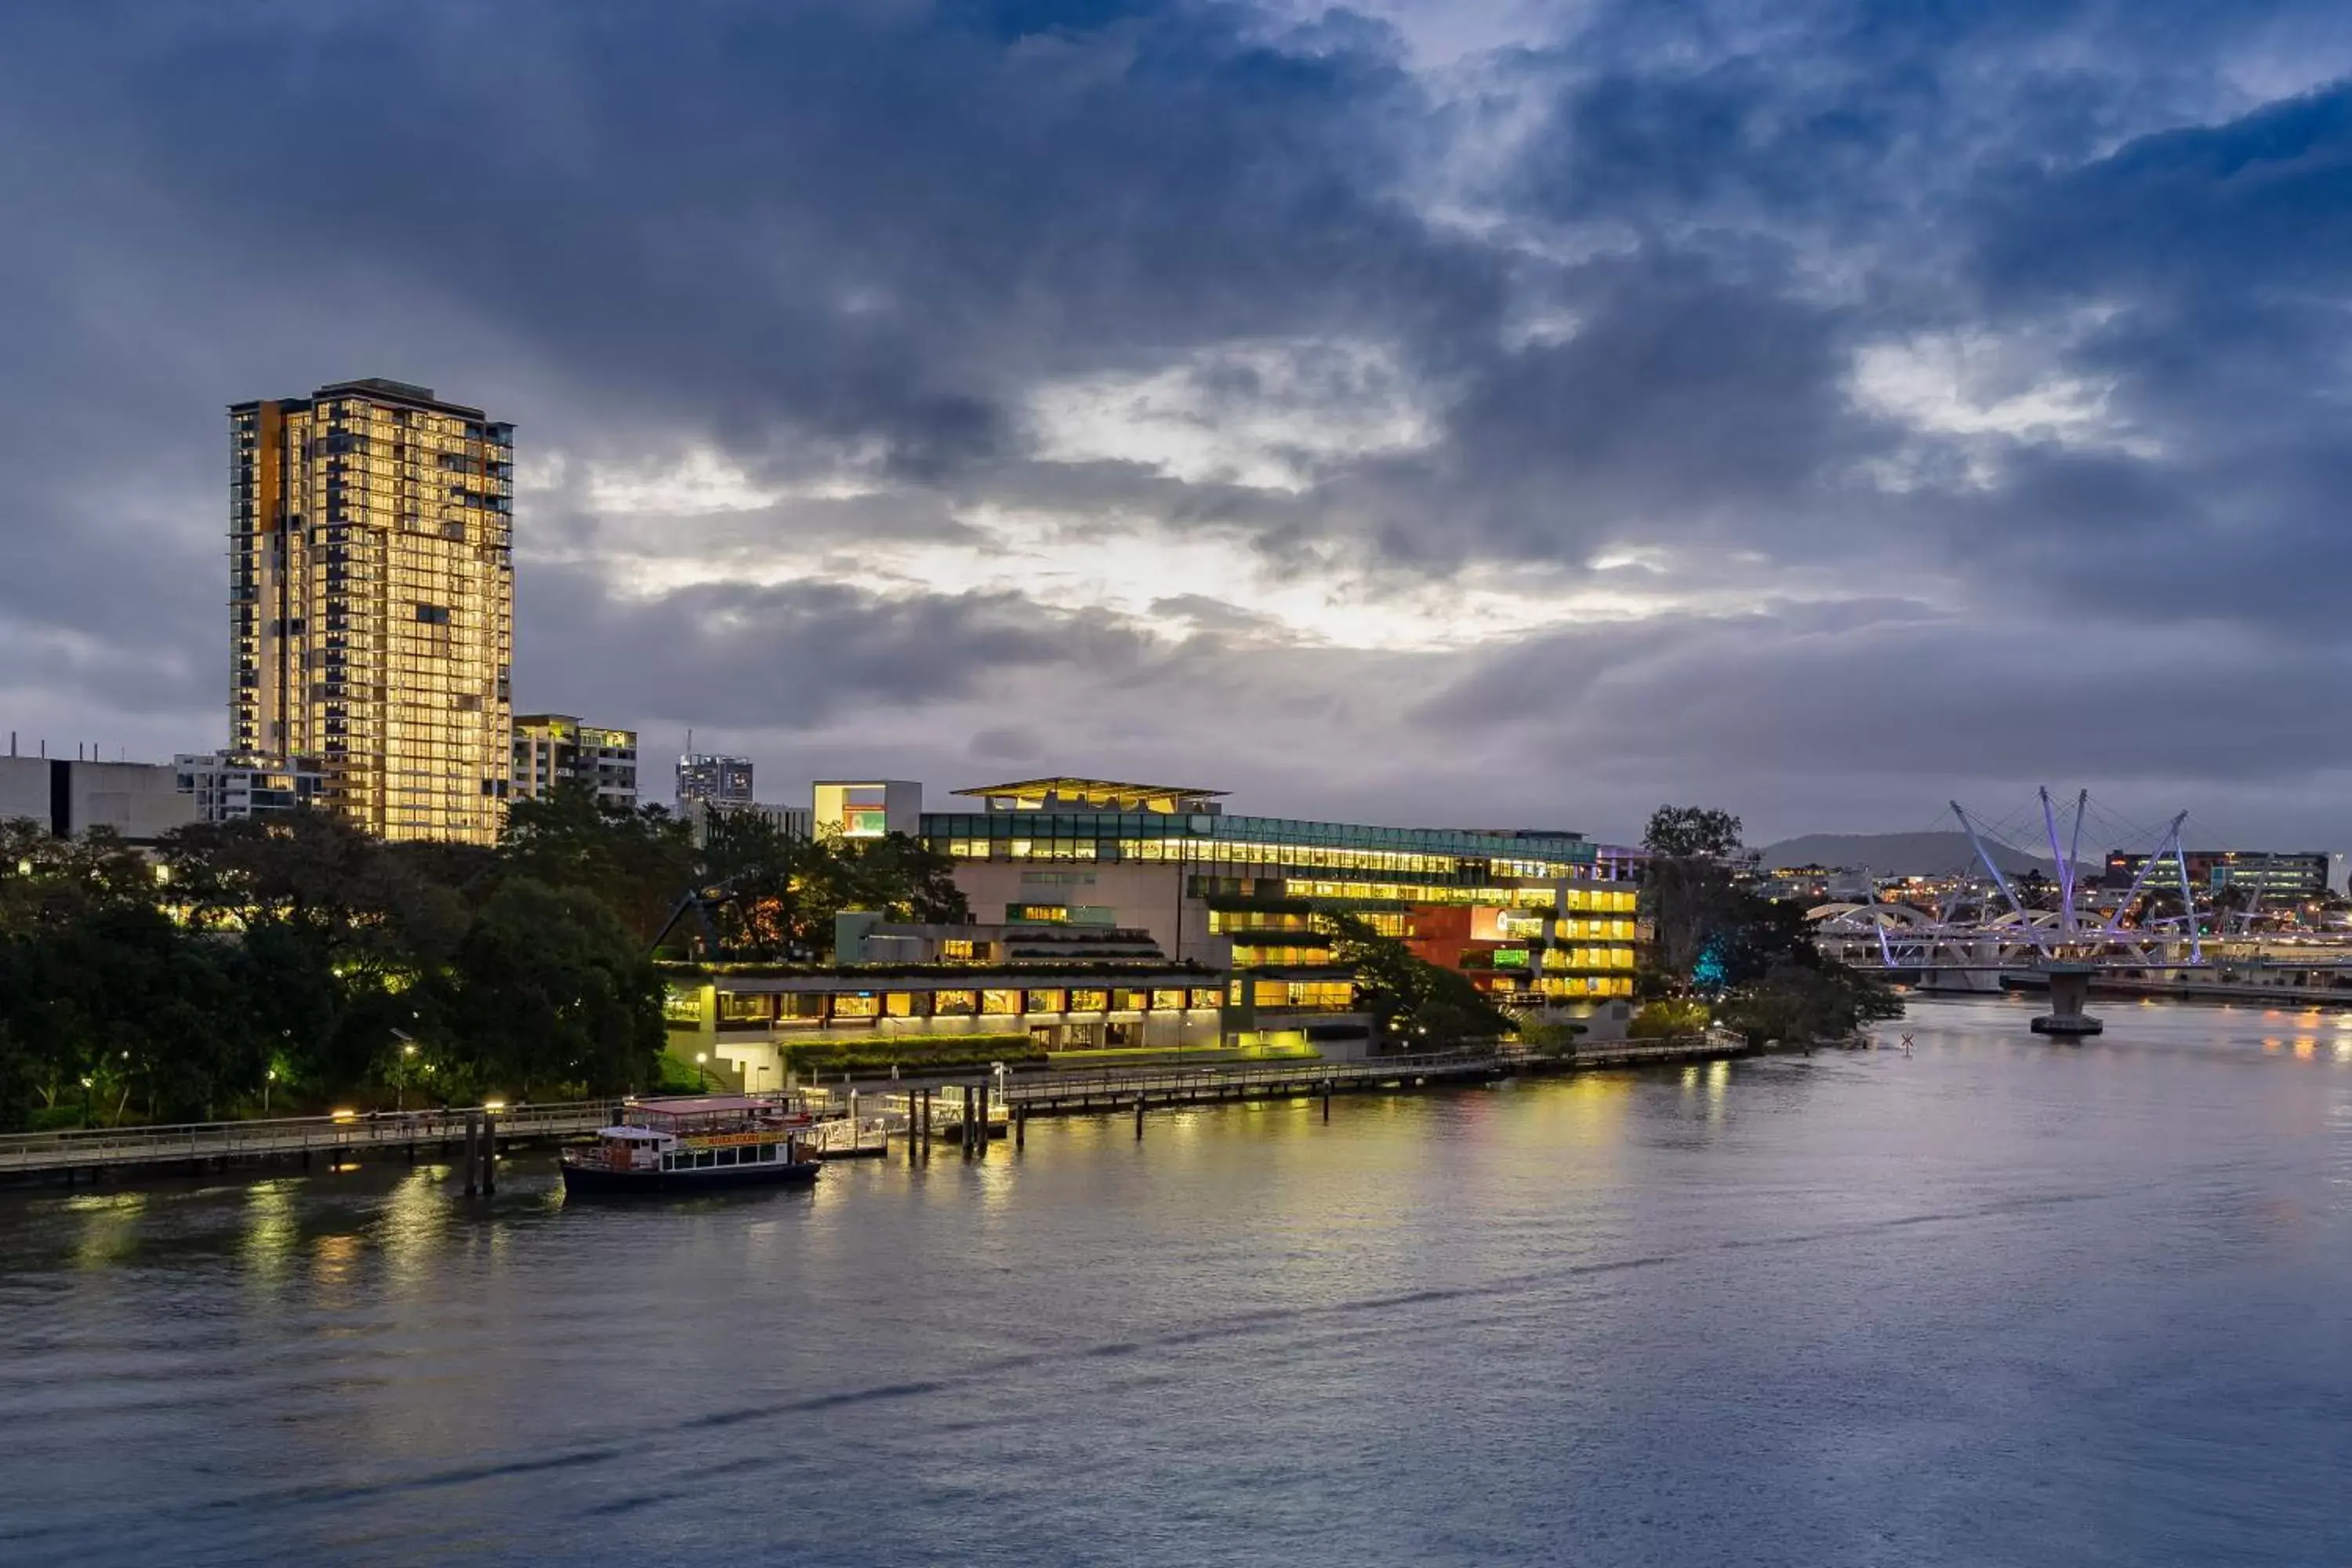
{"x": 1101, "y": 795}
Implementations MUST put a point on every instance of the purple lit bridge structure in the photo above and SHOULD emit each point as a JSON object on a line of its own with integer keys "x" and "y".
{"x": 1995, "y": 925}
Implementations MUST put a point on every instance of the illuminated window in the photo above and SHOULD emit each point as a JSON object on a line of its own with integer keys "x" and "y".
{"x": 738, "y": 1007}
{"x": 1089, "y": 1001}
{"x": 1046, "y": 1001}
{"x": 856, "y": 1005}
{"x": 1167, "y": 1001}
{"x": 956, "y": 947}
{"x": 900, "y": 1005}
{"x": 1000, "y": 1004}
{"x": 954, "y": 1004}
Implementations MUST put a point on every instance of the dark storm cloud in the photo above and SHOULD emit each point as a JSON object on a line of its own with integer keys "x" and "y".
{"x": 1622, "y": 277}
{"x": 796, "y": 653}
{"x": 864, "y": 220}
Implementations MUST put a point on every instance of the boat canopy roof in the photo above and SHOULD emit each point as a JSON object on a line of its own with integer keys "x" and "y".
{"x": 636, "y": 1134}
{"x": 703, "y": 1105}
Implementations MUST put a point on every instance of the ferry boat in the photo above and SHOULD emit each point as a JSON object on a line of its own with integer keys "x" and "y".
{"x": 695, "y": 1144}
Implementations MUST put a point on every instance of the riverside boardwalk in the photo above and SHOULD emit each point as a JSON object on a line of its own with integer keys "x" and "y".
{"x": 941, "y": 1108}
{"x": 919, "y": 1111}
{"x": 480, "y": 1130}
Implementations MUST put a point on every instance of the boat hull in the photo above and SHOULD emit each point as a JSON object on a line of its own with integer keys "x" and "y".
{"x": 590, "y": 1182}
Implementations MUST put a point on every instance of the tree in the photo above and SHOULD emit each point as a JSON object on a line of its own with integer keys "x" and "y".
{"x": 1669, "y": 1018}
{"x": 1805, "y": 1002}
{"x": 1716, "y": 938}
{"x": 1691, "y": 832}
{"x": 550, "y": 989}
{"x": 637, "y": 863}
{"x": 769, "y": 895}
{"x": 1410, "y": 998}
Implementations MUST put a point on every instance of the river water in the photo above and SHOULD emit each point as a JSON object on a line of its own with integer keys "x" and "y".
{"x": 1992, "y": 1302}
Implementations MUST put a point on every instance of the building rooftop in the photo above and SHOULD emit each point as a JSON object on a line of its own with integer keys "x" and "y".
{"x": 1108, "y": 794}
{"x": 380, "y": 388}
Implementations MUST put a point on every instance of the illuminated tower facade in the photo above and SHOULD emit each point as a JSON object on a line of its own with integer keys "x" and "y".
{"x": 371, "y": 602}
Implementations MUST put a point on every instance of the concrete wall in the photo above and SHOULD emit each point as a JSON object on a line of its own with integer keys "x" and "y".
{"x": 1142, "y": 895}
{"x": 25, "y": 789}
{"x": 140, "y": 801}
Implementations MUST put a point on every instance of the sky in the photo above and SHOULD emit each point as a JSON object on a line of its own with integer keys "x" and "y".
{"x": 1495, "y": 412}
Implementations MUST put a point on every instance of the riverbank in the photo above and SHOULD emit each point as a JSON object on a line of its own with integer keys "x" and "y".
{"x": 934, "y": 1107}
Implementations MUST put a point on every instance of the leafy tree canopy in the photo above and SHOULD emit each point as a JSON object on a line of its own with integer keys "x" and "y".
{"x": 1691, "y": 832}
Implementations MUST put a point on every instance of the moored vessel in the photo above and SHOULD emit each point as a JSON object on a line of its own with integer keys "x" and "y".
{"x": 692, "y": 1145}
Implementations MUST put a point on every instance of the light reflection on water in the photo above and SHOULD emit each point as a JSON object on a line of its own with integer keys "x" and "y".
{"x": 1994, "y": 1301}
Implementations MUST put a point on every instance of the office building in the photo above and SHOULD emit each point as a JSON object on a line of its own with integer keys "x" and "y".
{"x": 555, "y": 749}
{"x": 1120, "y": 917}
{"x": 371, "y": 602}
{"x": 139, "y": 801}
{"x": 228, "y": 788}
{"x": 722, "y": 781}
{"x": 867, "y": 808}
{"x": 2282, "y": 876}
{"x": 1251, "y": 893}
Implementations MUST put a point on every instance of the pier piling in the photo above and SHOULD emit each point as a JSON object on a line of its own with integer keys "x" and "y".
{"x": 1139, "y": 1118}
{"x": 490, "y": 1153}
{"x": 473, "y": 1144}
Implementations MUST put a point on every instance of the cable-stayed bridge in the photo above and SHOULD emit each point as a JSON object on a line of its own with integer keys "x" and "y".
{"x": 1995, "y": 924}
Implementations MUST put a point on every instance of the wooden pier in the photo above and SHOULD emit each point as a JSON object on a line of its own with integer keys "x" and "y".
{"x": 940, "y": 1110}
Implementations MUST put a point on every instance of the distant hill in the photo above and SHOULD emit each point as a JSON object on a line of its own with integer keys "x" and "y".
{"x": 1906, "y": 854}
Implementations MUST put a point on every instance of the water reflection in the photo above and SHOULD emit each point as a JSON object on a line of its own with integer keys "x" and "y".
{"x": 1781, "y": 1311}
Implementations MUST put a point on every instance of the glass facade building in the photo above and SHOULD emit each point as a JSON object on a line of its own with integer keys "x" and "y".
{"x": 720, "y": 781}
{"x": 371, "y": 602}
{"x": 1284, "y": 857}
{"x": 1261, "y": 889}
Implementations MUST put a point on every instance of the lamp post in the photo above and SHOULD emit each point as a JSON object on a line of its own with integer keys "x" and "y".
{"x": 407, "y": 1055}
{"x": 701, "y": 1078}
{"x": 268, "y": 1079}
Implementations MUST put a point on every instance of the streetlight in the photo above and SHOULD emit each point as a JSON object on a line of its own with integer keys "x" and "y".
{"x": 268, "y": 1079}
{"x": 701, "y": 1078}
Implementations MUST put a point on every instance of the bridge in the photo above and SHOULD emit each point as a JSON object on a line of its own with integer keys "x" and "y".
{"x": 1972, "y": 941}
{"x": 346, "y": 1134}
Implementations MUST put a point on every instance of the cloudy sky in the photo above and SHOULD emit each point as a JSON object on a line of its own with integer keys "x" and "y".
{"x": 1492, "y": 412}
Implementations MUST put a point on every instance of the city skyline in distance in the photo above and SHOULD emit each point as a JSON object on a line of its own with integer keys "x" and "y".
{"x": 1389, "y": 418}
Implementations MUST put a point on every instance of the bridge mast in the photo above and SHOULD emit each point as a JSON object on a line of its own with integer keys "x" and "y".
{"x": 2064, "y": 868}
{"x": 2075, "y": 855}
{"x": 2188, "y": 902}
{"x": 2024, "y": 921}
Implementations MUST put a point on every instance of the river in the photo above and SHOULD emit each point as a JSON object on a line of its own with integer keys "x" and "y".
{"x": 1992, "y": 1301}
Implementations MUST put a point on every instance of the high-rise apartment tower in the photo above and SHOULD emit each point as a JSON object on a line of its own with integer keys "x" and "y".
{"x": 552, "y": 750}
{"x": 371, "y": 602}
{"x": 721, "y": 780}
